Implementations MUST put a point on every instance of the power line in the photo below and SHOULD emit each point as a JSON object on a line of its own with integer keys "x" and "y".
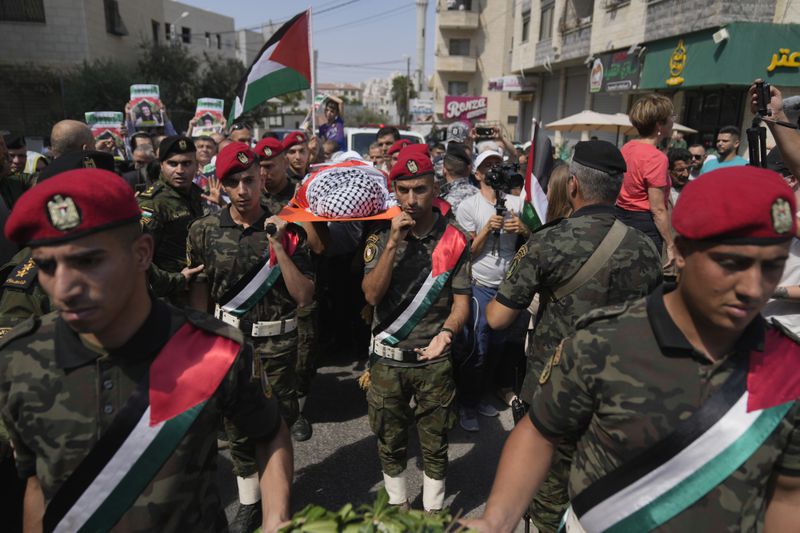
{"x": 370, "y": 18}
{"x": 378, "y": 63}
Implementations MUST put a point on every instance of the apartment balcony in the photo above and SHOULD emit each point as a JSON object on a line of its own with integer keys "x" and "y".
{"x": 465, "y": 64}
{"x": 454, "y": 19}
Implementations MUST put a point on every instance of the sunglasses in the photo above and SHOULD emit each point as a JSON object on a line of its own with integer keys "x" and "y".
{"x": 694, "y": 156}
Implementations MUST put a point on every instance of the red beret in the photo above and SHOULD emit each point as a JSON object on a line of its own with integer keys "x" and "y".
{"x": 234, "y": 158}
{"x": 397, "y": 146}
{"x": 268, "y": 148}
{"x": 411, "y": 163}
{"x": 420, "y": 148}
{"x": 70, "y": 205}
{"x": 736, "y": 205}
{"x": 296, "y": 137}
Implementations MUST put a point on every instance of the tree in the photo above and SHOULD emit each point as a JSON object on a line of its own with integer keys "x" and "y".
{"x": 176, "y": 72}
{"x": 100, "y": 85}
{"x": 402, "y": 90}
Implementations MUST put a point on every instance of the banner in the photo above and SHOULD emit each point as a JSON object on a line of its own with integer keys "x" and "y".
{"x": 107, "y": 125}
{"x": 421, "y": 110}
{"x": 208, "y": 117}
{"x": 514, "y": 84}
{"x": 145, "y": 108}
{"x": 615, "y": 71}
{"x": 466, "y": 108}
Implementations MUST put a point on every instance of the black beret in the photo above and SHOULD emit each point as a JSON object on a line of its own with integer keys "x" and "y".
{"x": 459, "y": 151}
{"x": 177, "y": 144}
{"x": 775, "y": 162}
{"x": 76, "y": 160}
{"x": 600, "y": 155}
{"x": 14, "y": 141}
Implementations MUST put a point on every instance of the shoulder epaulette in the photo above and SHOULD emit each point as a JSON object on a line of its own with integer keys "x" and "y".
{"x": 150, "y": 191}
{"x": 594, "y": 315}
{"x": 23, "y": 276}
{"x": 22, "y": 329}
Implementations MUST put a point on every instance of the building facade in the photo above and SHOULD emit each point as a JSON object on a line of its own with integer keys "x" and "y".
{"x": 472, "y": 44}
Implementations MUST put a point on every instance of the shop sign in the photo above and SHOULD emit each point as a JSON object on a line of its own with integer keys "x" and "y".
{"x": 614, "y": 72}
{"x": 512, "y": 84}
{"x": 784, "y": 58}
{"x": 464, "y": 107}
{"x": 421, "y": 110}
{"x": 677, "y": 62}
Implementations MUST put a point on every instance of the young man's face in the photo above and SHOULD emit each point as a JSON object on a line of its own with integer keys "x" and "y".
{"x": 698, "y": 157}
{"x": 205, "y": 151}
{"x": 727, "y": 143}
{"x": 179, "y": 170}
{"x": 415, "y": 196}
{"x": 724, "y": 286}
{"x": 273, "y": 172}
{"x": 679, "y": 172}
{"x": 244, "y": 189}
{"x": 141, "y": 159}
{"x": 297, "y": 156}
{"x": 243, "y": 135}
{"x": 385, "y": 143}
{"x": 17, "y": 157}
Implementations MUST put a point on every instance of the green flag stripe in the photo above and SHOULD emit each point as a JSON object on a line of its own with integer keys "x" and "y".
{"x": 419, "y": 312}
{"x": 276, "y": 83}
{"x": 253, "y": 299}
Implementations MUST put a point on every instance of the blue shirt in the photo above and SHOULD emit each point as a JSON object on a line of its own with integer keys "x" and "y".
{"x": 714, "y": 164}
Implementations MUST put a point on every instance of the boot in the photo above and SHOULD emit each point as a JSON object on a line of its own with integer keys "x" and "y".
{"x": 396, "y": 489}
{"x": 432, "y": 494}
{"x": 248, "y": 517}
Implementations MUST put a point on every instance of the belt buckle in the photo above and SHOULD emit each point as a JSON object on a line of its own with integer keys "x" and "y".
{"x": 230, "y": 319}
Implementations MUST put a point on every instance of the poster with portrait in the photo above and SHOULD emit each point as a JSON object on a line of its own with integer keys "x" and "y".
{"x": 208, "y": 117}
{"x": 145, "y": 107}
{"x": 106, "y": 125}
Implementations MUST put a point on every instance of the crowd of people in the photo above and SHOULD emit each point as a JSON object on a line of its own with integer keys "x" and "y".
{"x": 644, "y": 330}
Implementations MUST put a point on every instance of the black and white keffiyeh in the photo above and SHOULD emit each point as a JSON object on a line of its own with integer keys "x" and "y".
{"x": 348, "y": 192}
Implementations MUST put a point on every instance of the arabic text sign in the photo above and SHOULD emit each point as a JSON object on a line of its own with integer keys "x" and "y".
{"x": 145, "y": 104}
{"x": 208, "y": 116}
{"x": 615, "y": 71}
{"x": 784, "y": 58}
{"x": 464, "y": 107}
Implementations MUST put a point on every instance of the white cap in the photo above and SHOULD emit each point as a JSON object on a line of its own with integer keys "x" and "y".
{"x": 483, "y": 156}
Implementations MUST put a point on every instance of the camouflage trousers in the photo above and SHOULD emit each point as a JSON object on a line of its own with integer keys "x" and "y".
{"x": 306, "y": 367}
{"x": 552, "y": 500}
{"x": 390, "y": 416}
{"x": 280, "y": 372}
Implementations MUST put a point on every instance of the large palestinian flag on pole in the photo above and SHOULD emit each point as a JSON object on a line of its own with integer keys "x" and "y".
{"x": 282, "y": 66}
{"x": 537, "y": 175}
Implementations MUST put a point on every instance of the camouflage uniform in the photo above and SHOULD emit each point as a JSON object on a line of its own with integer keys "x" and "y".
{"x": 228, "y": 252}
{"x": 624, "y": 381}
{"x": 550, "y": 258}
{"x": 166, "y": 214}
{"x": 454, "y": 192}
{"x": 21, "y": 296}
{"x": 430, "y": 383}
{"x": 58, "y": 396}
{"x": 14, "y": 185}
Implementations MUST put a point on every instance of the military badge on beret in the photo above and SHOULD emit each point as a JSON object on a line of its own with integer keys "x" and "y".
{"x": 412, "y": 167}
{"x": 267, "y": 152}
{"x": 64, "y": 214}
{"x": 299, "y": 138}
{"x": 88, "y": 162}
{"x": 781, "y": 216}
{"x": 182, "y": 144}
{"x": 242, "y": 157}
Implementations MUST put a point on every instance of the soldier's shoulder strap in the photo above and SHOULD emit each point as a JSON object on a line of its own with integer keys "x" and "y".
{"x": 151, "y": 191}
{"x": 603, "y": 313}
{"x": 20, "y": 275}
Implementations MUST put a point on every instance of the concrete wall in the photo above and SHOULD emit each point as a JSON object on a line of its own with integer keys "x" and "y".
{"x": 200, "y": 21}
{"x": 620, "y": 27}
{"x": 664, "y": 16}
{"x": 248, "y": 45}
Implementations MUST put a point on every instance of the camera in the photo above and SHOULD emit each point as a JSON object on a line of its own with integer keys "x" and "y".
{"x": 763, "y": 96}
{"x": 503, "y": 177}
{"x": 482, "y": 132}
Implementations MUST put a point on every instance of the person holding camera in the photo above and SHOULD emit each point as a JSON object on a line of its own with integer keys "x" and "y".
{"x": 576, "y": 265}
{"x": 491, "y": 218}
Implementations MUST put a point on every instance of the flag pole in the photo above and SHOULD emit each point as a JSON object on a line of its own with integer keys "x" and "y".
{"x": 313, "y": 58}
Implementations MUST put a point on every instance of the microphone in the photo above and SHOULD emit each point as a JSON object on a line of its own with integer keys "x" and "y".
{"x": 271, "y": 229}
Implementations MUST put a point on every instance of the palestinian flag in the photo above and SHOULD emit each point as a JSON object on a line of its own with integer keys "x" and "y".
{"x": 536, "y": 175}
{"x": 282, "y": 66}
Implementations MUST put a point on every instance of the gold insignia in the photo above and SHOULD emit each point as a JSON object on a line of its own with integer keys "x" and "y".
{"x": 412, "y": 167}
{"x": 781, "y": 216}
{"x": 299, "y": 138}
{"x": 545, "y": 375}
{"x": 25, "y": 269}
{"x": 267, "y": 151}
{"x": 88, "y": 162}
{"x": 182, "y": 144}
{"x": 557, "y": 355}
{"x": 370, "y": 251}
{"x": 3, "y": 332}
{"x": 242, "y": 157}
{"x": 512, "y": 268}
{"x": 63, "y": 213}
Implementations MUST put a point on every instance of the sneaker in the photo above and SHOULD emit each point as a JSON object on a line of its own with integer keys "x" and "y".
{"x": 301, "y": 429}
{"x": 487, "y": 409}
{"x": 247, "y": 519}
{"x": 468, "y": 419}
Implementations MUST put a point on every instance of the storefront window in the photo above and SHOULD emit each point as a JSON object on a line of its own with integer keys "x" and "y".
{"x": 709, "y": 110}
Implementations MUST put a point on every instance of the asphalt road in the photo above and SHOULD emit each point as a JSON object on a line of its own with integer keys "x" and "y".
{"x": 339, "y": 464}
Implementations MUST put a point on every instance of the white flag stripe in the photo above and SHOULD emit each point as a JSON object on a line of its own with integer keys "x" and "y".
{"x": 249, "y": 289}
{"x": 401, "y": 320}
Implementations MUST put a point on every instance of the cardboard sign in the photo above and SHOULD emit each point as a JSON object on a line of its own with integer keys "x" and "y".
{"x": 145, "y": 107}
{"x": 106, "y": 125}
{"x": 208, "y": 116}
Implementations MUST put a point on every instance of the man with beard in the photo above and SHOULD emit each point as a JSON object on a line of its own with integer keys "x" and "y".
{"x": 698, "y": 152}
{"x": 727, "y": 148}
{"x": 680, "y": 161}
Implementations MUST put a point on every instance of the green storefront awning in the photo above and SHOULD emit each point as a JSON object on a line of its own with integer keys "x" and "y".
{"x": 753, "y": 50}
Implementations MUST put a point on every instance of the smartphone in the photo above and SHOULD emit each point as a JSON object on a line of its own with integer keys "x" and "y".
{"x": 484, "y": 132}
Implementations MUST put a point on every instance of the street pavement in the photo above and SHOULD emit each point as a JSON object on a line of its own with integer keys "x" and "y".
{"x": 339, "y": 464}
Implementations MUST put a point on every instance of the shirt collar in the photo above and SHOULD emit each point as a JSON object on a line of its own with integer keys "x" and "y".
{"x": 594, "y": 209}
{"x": 226, "y": 220}
{"x": 71, "y": 352}
{"x": 673, "y": 342}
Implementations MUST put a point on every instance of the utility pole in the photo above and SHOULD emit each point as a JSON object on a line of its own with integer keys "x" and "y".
{"x": 408, "y": 90}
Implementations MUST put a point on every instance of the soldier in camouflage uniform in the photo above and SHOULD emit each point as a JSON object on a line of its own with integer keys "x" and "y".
{"x": 12, "y": 184}
{"x": 688, "y": 367}
{"x": 232, "y": 244}
{"x": 168, "y": 207}
{"x": 553, "y": 256}
{"x": 410, "y": 358}
{"x": 75, "y": 384}
{"x": 296, "y": 150}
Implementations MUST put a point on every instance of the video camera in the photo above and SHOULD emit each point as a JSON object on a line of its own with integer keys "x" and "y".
{"x": 502, "y": 177}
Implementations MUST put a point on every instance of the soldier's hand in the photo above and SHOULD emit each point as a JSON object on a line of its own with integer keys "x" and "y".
{"x": 670, "y": 259}
{"x": 436, "y": 347}
{"x": 214, "y": 195}
{"x": 401, "y": 225}
{"x": 495, "y": 223}
{"x": 189, "y": 272}
{"x": 280, "y": 225}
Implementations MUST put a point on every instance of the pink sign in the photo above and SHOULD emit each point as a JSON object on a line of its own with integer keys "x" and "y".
{"x": 464, "y": 107}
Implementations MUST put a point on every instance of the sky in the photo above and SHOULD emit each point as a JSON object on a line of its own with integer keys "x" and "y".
{"x": 356, "y": 39}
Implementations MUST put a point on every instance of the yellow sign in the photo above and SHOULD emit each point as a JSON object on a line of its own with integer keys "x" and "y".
{"x": 784, "y": 59}
{"x": 677, "y": 62}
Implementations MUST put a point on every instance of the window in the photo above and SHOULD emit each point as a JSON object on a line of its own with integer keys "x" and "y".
{"x": 457, "y": 88}
{"x": 526, "y": 26}
{"x": 546, "y": 22}
{"x": 186, "y": 35}
{"x": 156, "y": 30}
{"x": 459, "y": 5}
{"x": 22, "y": 10}
{"x": 114, "y": 24}
{"x": 208, "y": 39}
{"x": 219, "y": 42}
{"x": 459, "y": 47}
{"x": 167, "y": 32}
